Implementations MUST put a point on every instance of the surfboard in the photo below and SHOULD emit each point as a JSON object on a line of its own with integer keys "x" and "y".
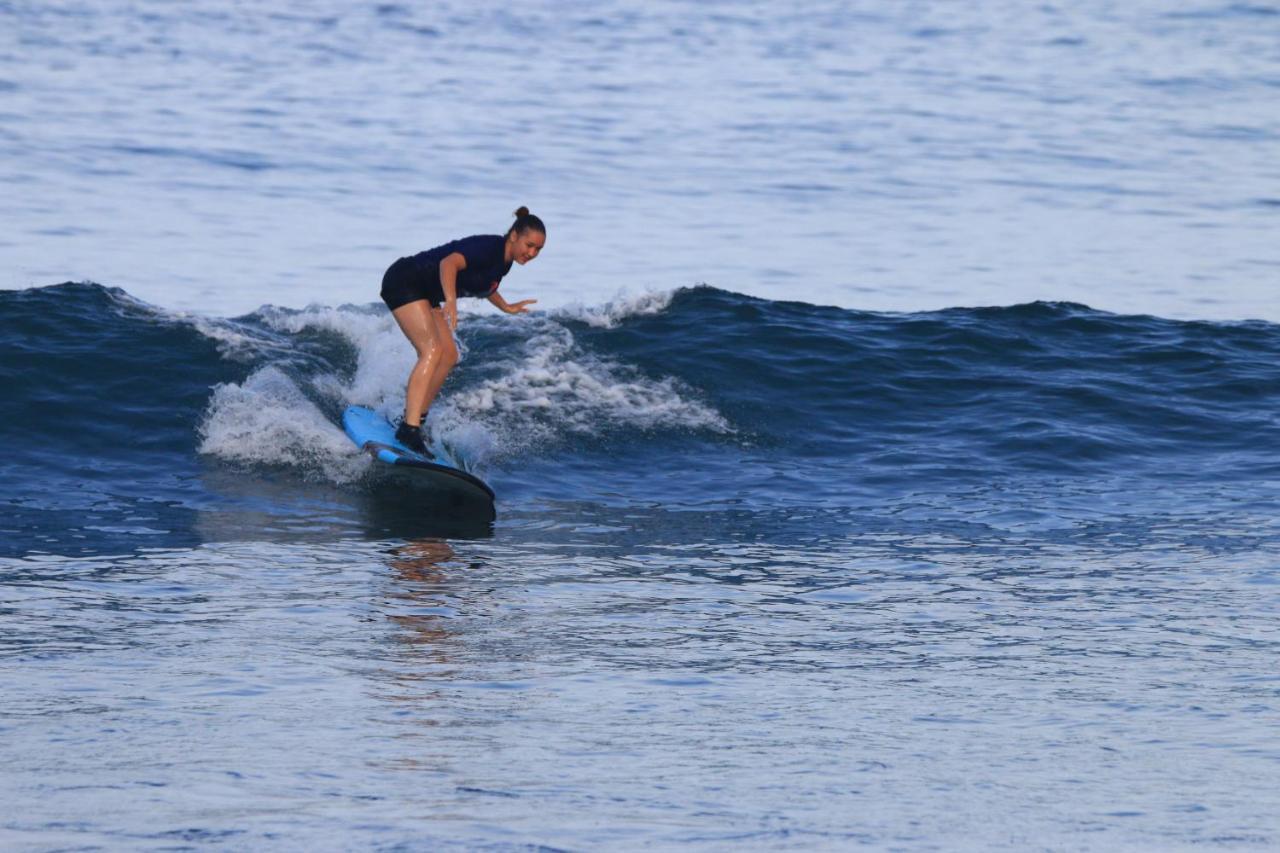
{"x": 448, "y": 484}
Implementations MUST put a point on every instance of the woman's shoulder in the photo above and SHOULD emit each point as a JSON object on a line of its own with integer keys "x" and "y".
{"x": 481, "y": 241}
{"x": 479, "y": 247}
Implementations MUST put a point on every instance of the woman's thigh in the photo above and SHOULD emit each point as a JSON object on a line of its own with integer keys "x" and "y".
{"x": 444, "y": 335}
{"x": 419, "y": 326}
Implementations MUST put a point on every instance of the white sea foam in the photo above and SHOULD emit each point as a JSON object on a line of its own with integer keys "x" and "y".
{"x": 546, "y": 388}
{"x": 383, "y": 356}
{"x": 268, "y": 420}
{"x": 236, "y": 342}
{"x": 554, "y": 386}
{"x": 622, "y": 306}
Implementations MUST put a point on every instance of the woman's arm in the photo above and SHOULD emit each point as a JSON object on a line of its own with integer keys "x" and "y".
{"x": 521, "y": 307}
{"x": 449, "y": 266}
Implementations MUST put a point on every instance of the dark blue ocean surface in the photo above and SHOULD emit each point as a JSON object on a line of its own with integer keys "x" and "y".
{"x": 129, "y": 425}
{"x": 764, "y": 574}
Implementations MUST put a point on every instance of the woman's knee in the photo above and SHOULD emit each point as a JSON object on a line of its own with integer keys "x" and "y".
{"x": 449, "y": 355}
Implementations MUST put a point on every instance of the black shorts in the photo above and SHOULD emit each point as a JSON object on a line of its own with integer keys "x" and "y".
{"x": 405, "y": 283}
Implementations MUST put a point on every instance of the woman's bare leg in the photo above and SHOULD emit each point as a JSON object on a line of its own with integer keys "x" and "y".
{"x": 448, "y": 357}
{"x": 417, "y": 321}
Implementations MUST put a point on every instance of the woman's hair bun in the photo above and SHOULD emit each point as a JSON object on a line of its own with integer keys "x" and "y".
{"x": 526, "y": 221}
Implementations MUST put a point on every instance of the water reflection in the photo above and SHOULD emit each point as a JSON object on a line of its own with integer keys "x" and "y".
{"x": 420, "y": 560}
{"x": 417, "y": 601}
{"x": 283, "y": 506}
{"x": 706, "y": 669}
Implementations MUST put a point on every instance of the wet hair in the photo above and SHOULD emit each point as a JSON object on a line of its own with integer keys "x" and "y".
{"x": 526, "y": 221}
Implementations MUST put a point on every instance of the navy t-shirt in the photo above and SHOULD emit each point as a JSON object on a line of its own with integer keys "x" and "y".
{"x": 485, "y": 264}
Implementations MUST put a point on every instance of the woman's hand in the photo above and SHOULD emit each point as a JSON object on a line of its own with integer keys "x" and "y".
{"x": 449, "y": 268}
{"x": 521, "y": 307}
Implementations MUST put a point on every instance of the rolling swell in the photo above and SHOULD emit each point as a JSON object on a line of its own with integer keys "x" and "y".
{"x": 1039, "y": 387}
{"x": 128, "y": 426}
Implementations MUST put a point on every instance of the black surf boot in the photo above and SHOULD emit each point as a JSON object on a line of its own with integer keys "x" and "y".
{"x": 411, "y": 437}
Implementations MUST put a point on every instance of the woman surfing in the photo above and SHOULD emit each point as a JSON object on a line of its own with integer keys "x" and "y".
{"x": 422, "y": 291}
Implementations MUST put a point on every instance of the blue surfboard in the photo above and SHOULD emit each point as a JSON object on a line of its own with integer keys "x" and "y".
{"x": 376, "y": 435}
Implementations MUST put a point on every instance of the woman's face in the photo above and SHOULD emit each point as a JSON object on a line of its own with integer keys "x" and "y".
{"x": 525, "y": 247}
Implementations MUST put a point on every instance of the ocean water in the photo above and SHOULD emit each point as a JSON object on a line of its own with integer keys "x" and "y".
{"x": 894, "y": 462}
{"x": 216, "y": 156}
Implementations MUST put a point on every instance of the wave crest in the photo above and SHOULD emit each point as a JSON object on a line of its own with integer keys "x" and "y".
{"x": 556, "y": 386}
{"x": 621, "y": 307}
{"x": 269, "y": 420}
